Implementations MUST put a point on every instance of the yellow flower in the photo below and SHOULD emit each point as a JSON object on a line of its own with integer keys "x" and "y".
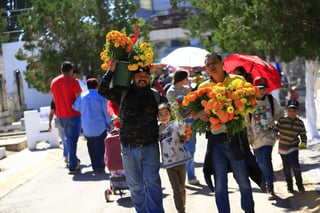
{"x": 120, "y": 47}
{"x": 243, "y": 100}
{"x": 230, "y": 109}
{"x": 226, "y": 105}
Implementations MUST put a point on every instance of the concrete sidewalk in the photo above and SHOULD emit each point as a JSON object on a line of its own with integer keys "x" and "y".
{"x": 22, "y": 174}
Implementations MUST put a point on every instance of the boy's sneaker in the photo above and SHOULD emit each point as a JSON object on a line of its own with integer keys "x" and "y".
{"x": 290, "y": 190}
{"x": 301, "y": 190}
{"x": 271, "y": 194}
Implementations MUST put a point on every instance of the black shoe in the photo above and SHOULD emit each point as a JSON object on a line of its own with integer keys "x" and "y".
{"x": 263, "y": 186}
{"x": 99, "y": 171}
{"x": 271, "y": 194}
{"x": 75, "y": 170}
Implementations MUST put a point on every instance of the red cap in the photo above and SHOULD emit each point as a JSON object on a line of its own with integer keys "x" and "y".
{"x": 260, "y": 82}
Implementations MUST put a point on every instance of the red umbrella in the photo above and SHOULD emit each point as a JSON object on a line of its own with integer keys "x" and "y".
{"x": 256, "y": 66}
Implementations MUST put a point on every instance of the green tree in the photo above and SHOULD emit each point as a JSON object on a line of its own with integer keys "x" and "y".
{"x": 283, "y": 28}
{"x": 72, "y": 30}
{"x": 3, "y": 27}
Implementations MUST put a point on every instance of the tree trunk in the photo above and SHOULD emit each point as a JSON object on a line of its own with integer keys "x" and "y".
{"x": 311, "y": 119}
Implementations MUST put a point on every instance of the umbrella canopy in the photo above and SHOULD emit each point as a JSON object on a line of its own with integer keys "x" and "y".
{"x": 256, "y": 66}
{"x": 186, "y": 56}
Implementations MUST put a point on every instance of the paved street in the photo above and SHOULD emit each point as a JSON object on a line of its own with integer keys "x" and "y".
{"x": 38, "y": 181}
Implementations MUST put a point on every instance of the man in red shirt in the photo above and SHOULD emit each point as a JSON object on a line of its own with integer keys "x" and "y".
{"x": 65, "y": 89}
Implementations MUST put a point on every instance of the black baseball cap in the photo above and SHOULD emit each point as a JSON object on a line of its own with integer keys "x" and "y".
{"x": 293, "y": 103}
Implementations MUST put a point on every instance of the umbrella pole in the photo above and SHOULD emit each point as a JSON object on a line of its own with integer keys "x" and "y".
{"x": 251, "y": 67}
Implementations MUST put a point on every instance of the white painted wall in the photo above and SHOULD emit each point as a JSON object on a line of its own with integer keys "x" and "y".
{"x": 33, "y": 98}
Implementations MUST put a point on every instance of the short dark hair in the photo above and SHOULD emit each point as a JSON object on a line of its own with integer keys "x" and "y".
{"x": 164, "y": 106}
{"x": 66, "y": 66}
{"x": 214, "y": 54}
{"x": 241, "y": 69}
{"x": 179, "y": 75}
{"x": 92, "y": 83}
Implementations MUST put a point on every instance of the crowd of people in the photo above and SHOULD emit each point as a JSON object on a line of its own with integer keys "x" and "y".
{"x": 147, "y": 104}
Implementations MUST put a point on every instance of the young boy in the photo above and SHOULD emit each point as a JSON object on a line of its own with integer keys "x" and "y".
{"x": 292, "y": 137}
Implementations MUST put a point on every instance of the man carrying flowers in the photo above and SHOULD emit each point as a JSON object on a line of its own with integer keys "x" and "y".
{"x": 226, "y": 99}
{"x": 138, "y": 113}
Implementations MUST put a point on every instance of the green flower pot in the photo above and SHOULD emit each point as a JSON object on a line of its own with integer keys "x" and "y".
{"x": 121, "y": 75}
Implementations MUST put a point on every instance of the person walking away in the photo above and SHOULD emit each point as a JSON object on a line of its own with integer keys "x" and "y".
{"x": 138, "y": 111}
{"x": 81, "y": 80}
{"x": 60, "y": 129}
{"x": 174, "y": 155}
{"x": 260, "y": 128}
{"x": 293, "y": 137}
{"x": 180, "y": 87}
{"x": 65, "y": 89}
{"x": 221, "y": 153}
{"x": 95, "y": 123}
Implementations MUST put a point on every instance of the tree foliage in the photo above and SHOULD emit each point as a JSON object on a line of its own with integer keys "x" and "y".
{"x": 3, "y": 27}
{"x": 265, "y": 27}
{"x": 73, "y": 30}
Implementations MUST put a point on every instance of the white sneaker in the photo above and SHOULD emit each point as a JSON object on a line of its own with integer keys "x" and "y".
{"x": 194, "y": 182}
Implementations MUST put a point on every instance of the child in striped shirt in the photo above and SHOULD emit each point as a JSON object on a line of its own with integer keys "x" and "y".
{"x": 293, "y": 136}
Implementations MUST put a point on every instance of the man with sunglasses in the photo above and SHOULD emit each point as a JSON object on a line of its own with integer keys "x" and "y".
{"x": 221, "y": 153}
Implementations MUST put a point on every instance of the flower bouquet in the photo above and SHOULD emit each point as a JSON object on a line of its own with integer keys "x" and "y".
{"x": 130, "y": 55}
{"x": 226, "y": 105}
{"x": 180, "y": 114}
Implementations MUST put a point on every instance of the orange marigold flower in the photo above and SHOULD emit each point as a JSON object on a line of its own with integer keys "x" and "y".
{"x": 230, "y": 116}
{"x": 214, "y": 120}
{"x": 204, "y": 103}
{"x": 105, "y": 66}
{"x": 223, "y": 116}
{"x": 216, "y": 127}
{"x": 192, "y": 97}
{"x": 239, "y": 104}
{"x": 206, "y": 110}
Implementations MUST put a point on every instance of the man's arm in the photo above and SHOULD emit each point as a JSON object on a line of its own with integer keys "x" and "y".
{"x": 77, "y": 104}
{"x": 50, "y": 118}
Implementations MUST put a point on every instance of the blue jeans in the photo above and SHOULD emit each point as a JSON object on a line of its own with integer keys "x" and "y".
{"x": 141, "y": 166}
{"x": 71, "y": 127}
{"x": 190, "y": 145}
{"x": 221, "y": 156}
{"x": 96, "y": 150}
{"x": 291, "y": 161}
{"x": 263, "y": 157}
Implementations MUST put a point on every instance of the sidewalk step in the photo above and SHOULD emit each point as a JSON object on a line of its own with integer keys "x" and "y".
{"x": 14, "y": 143}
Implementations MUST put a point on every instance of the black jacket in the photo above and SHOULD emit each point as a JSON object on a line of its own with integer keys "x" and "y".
{"x": 138, "y": 112}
